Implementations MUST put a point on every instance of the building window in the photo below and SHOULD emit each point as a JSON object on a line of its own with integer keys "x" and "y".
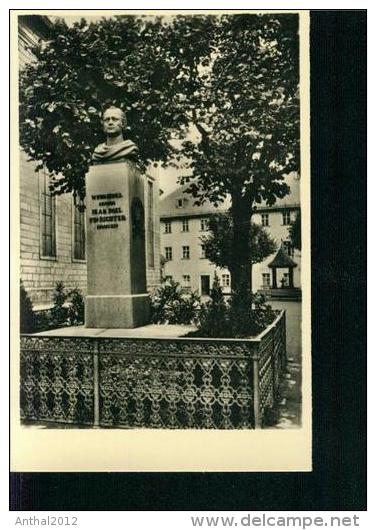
{"x": 186, "y": 280}
{"x": 167, "y": 227}
{"x": 150, "y": 225}
{"x": 265, "y": 219}
{"x": 288, "y": 248}
{"x": 225, "y": 280}
{"x": 266, "y": 280}
{"x": 205, "y": 284}
{"x": 180, "y": 203}
{"x": 185, "y": 254}
{"x": 47, "y": 217}
{"x": 78, "y": 229}
{"x": 204, "y": 225}
{"x": 168, "y": 253}
{"x": 185, "y": 225}
{"x": 203, "y": 251}
{"x": 286, "y": 220}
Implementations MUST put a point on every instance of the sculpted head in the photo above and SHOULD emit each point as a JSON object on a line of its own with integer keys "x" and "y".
{"x": 116, "y": 147}
{"x": 114, "y": 121}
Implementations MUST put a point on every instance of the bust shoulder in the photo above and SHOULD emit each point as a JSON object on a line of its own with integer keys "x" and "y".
{"x": 110, "y": 153}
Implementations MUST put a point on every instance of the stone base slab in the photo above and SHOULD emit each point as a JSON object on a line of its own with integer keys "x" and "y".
{"x": 120, "y": 311}
{"x": 150, "y": 331}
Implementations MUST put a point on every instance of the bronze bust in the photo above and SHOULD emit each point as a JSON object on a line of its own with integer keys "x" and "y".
{"x": 115, "y": 148}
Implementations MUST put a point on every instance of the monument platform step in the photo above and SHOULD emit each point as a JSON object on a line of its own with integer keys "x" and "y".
{"x": 148, "y": 331}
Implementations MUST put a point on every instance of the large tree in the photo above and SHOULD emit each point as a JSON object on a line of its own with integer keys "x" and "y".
{"x": 246, "y": 114}
{"x": 218, "y": 92}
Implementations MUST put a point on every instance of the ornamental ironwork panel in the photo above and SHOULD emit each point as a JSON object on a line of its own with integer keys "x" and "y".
{"x": 271, "y": 364}
{"x": 279, "y": 352}
{"x": 154, "y": 383}
{"x": 175, "y": 384}
{"x": 266, "y": 375}
{"x": 56, "y": 380}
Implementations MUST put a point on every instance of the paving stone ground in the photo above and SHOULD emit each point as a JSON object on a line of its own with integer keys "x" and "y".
{"x": 289, "y": 410}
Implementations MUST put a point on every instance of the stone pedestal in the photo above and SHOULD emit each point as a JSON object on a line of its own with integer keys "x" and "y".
{"x": 116, "y": 263}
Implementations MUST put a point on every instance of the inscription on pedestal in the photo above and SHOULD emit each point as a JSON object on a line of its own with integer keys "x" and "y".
{"x": 107, "y": 212}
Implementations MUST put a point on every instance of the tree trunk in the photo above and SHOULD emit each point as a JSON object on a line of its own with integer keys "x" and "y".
{"x": 241, "y": 263}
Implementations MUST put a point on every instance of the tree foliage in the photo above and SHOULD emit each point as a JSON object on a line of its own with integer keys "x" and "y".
{"x": 82, "y": 69}
{"x": 233, "y": 79}
{"x": 218, "y": 94}
{"x": 218, "y": 243}
{"x": 246, "y": 110}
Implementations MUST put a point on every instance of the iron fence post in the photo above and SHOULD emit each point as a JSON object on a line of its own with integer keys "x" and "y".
{"x": 96, "y": 382}
{"x": 284, "y": 353}
{"x": 256, "y": 394}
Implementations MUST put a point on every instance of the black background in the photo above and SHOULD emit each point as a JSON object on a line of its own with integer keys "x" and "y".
{"x": 338, "y": 188}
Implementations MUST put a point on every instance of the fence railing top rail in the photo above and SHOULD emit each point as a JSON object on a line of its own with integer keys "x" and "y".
{"x": 189, "y": 340}
{"x": 271, "y": 326}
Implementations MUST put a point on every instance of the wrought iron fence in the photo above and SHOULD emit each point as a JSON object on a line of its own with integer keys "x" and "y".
{"x": 162, "y": 383}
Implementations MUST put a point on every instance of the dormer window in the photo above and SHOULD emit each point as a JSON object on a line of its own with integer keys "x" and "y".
{"x": 181, "y": 203}
{"x": 286, "y": 218}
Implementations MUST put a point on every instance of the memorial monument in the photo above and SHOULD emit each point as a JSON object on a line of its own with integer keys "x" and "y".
{"x": 116, "y": 262}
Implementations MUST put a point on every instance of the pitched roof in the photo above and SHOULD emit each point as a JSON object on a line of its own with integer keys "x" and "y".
{"x": 281, "y": 260}
{"x": 168, "y": 204}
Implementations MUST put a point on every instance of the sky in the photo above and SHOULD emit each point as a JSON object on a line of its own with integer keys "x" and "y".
{"x": 167, "y": 178}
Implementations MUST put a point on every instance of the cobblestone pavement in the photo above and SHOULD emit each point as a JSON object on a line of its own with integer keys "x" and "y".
{"x": 288, "y": 412}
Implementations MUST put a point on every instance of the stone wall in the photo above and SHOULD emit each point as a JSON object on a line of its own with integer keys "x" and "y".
{"x": 40, "y": 275}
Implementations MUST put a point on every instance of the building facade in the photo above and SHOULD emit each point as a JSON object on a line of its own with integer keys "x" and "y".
{"x": 52, "y": 228}
{"x": 183, "y": 224}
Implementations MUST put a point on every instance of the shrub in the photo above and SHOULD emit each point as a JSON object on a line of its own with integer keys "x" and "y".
{"x": 68, "y": 308}
{"x": 170, "y": 305}
{"x": 76, "y": 308}
{"x": 43, "y": 320}
{"x": 214, "y": 314}
{"x": 189, "y": 309}
{"x": 28, "y": 320}
{"x": 243, "y": 316}
{"x": 250, "y": 314}
{"x": 59, "y": 312}
{"x": 263, "y": 313}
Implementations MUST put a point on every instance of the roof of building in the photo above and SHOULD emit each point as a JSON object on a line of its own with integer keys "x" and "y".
{"x": 169, "y": 207}
{"x": 281, "y": 260}
{"x": 39, "y": 24}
